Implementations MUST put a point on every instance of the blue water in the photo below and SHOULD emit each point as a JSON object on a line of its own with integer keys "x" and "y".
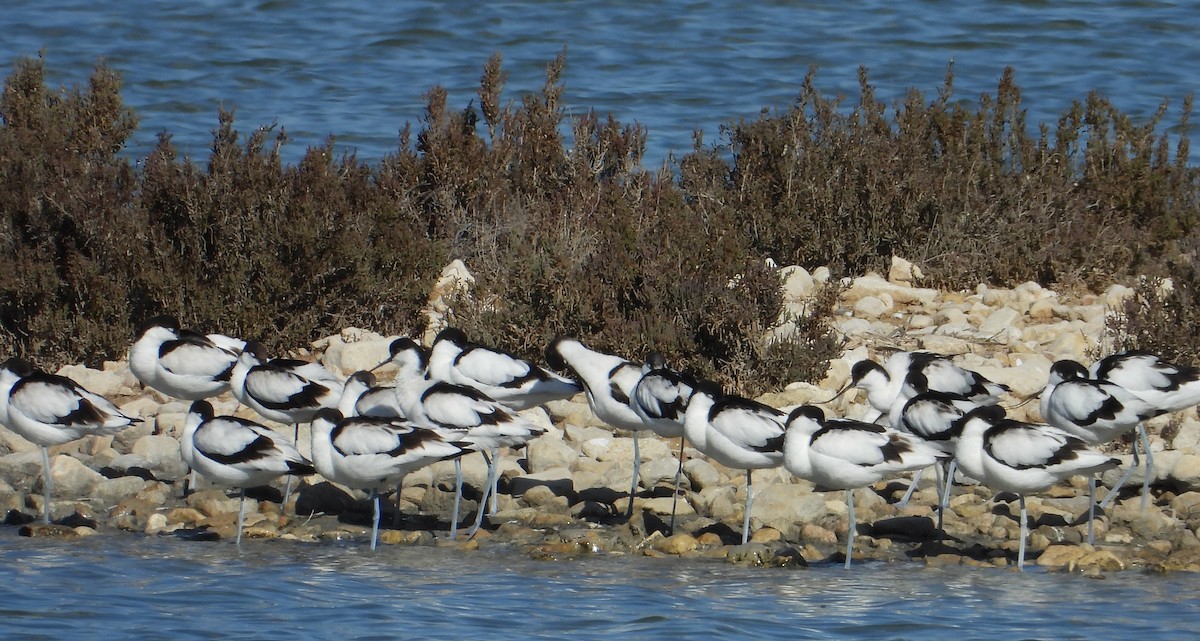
{"x": 358, "y": 71}
{"x": 131, "y": 587}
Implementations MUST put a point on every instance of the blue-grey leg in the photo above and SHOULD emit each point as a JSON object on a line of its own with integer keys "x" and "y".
{"x": 374, "y": 518}
{"x": 1149, "y": 471}
{"x": 675, "y": 494}
{"x": 494, "y": 483}
{"x": 241, "y": 517}
{"x": 1092, "y": 510}
{"x": 853, "y": 527}
{"x": 1116, "y": 489}
{"x": 912, "y": 487}
{"x": 1024, "y": 535}
{"x": 637, "y": 466}
{"x": 749, "y": 502}
{"x": 944, "y": 495}
{"x": 487, "y": 487}
{"x": 287, "y": 483}
{"x": 48, "y": 490}
{"x": 458, "y": 482}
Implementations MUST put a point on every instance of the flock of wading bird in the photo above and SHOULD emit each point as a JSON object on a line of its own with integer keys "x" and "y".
{"x": 459, "y": 397}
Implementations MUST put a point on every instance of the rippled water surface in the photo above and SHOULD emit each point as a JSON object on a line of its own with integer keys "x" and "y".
{"x": 358, "y": 70}
{"x": 129, "y": 587}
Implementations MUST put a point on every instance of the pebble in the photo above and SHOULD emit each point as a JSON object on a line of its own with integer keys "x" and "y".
{"x": 569, "y": 498}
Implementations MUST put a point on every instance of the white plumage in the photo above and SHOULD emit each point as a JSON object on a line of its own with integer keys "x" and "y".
{"x": 284, "y": 390}
{"x": 513, "y": 381}
{"x": 47, "y": 409}
{"x": 736, "y": 432}
{"x": 1097, "y": 412}
{"x": 1163, "y": 384}
{"x": 370, "y": 452}
{"x": 182, "y": 363}
{"x": 884, "y": 383}
{"x": 844, "y": 454}
{"x": 362, "y": 396}
{"x": 237, "y": 452}
{"x": 478, "y": 420}
{"x": 1012, "y": 456}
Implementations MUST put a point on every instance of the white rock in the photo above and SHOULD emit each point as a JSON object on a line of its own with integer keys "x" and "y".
{"x": 93, "y": 380}
{"x": 942, "y": 344}
{"x": 161, "y": 453}
{"x": 548, "y": 453}
{"x": 871, "y": 307}
{"x": 1116, "y": 295}
{"x": 854, "y": 326}
{"x": 455, "y": 280}
{"x": 354, "y": 350}
{"x": 874, "y": 284}
{"x": 999, "y": 320}
{"x": 798, "y": 284}
{"x": 902, "y": 272}
{"x": 72, "y": 479}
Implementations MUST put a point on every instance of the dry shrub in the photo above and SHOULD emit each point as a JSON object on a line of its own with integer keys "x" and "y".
{"x": 564, "y": 230}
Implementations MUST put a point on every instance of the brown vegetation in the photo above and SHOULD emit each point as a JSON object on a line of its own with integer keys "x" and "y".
{"x": 569, "y": 236}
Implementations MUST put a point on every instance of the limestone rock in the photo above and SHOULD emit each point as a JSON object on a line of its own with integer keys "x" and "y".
{"x": 550, "y": 453}
{"x": 353, "y": 350}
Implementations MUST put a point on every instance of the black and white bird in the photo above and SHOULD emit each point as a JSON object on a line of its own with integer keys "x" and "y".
{"x": 1163, "y": 384}
{"x": 1097, "y": 412}
{"x": 932, "y": 416}
{"x": 468, "y": 414}
{"x": 660, "y": 400}
{"x": 362, "y": 395}
{"x": 736, "y": 432}
{"x": 372, "y": 452}
{"x": 1012, "y": 456}
{"x": 235, "y": 452}
{"x": 609, "y": 382}
{"x": 183, "y": 363}
{"x": 48, "y": 409}
{"x": 845, "y": 454}
{"x": 284, "y": 390}
{"x": 515, "y": 382}
{"x": 884, "y": 383}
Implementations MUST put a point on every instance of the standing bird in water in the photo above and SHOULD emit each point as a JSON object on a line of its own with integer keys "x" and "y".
{"x": 237, "y": 452}
{"x": 609, "y": 383}
{"x": 370, "y": 452}
{"x": 1095, "y": 411}
{"x": 736, "y": 432}
{"x": 48, "y": 409}
{"x": 463, "y": 414}
{"x": 1166, "y": 386}
{"x": 514, "y": 382}
{"x": 660, "y": 399}
{"x": 183, "y": 363}
{"x": 844, "y": 454}
{"x": 283, "y": 390}
{"x": 1012, "y": 456}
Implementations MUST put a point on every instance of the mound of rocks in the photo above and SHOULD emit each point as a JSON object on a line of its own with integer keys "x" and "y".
{"x": 567, "y": 493}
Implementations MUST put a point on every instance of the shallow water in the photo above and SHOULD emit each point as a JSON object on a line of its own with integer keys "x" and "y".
{"x": 132, "y": 587}
{"x": 358, "y": 71}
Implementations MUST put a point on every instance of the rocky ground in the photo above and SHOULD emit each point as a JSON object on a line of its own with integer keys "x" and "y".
{"x": 567, "y": 495}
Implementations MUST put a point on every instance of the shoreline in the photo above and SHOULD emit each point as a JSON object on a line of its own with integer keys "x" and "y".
{"x": 568, "y": 498}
